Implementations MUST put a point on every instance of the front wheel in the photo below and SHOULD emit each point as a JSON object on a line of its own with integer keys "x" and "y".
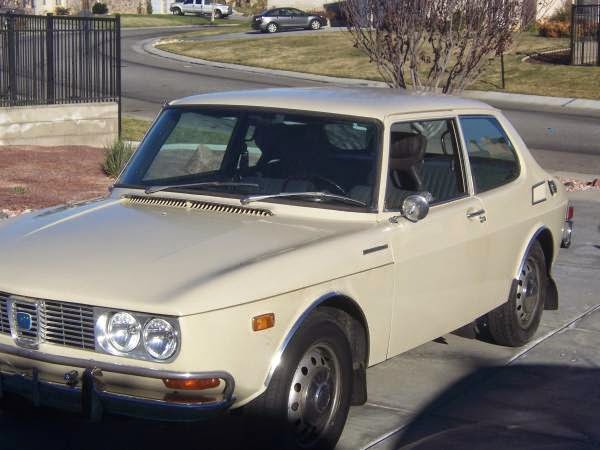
{"x": 218, "y": 14}
{"x": 514, "y": 323}
{"x": 307, "y": 401}
{"x": 272, "y": 28}
{"x": 314, "y": 24}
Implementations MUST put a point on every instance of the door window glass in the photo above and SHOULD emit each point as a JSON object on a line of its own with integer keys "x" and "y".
{"x": 424, "y": 158}
{"x": 491, "y": 155}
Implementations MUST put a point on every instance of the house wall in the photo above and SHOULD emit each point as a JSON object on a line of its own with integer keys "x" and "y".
{"x": 307, "y": 5}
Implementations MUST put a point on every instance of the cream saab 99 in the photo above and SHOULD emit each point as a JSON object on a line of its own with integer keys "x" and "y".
{"x": 261, "y": 249}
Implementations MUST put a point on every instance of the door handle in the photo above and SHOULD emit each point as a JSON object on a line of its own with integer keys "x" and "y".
{"x": 472, "y": 214}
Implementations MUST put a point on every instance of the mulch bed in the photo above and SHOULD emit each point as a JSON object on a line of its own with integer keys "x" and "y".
{"x": 34, "y": 177}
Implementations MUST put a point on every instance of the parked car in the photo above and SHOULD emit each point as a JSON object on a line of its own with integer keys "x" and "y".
{"x": 277, "y": 19}
{"x": 262, "y": 248}
{"x": 201, "y": 7}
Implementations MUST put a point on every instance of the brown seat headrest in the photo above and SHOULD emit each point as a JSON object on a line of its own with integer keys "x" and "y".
{"x": 406, "y": 149}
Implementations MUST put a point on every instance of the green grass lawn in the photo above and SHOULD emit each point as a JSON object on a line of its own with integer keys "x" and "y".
{"x": 333, "y": 54}
{"x": 165, "y": 20}
{"x": 133, "y": 129}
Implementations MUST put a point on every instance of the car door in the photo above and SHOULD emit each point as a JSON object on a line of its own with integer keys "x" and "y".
{"x": 197, "y": 7}
{"x": 507, "y": 202}
{"x": 298, "y": 18}
{"x": 439, "y": 261}
{"x": 284, "y": 18}
{"x": 188, "y": 6}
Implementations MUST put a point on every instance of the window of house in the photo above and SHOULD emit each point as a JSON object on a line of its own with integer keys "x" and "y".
{"x": 491, "y": 154}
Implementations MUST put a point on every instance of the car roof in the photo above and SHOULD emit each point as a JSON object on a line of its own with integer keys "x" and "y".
{"x": 363, "y": 102}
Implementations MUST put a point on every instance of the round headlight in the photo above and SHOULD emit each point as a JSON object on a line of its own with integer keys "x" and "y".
{"x": 124, "y": 331}
{"x": 160, "y": 339}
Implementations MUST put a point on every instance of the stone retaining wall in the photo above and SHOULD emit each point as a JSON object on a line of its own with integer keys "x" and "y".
{"x": 93, "y": 124}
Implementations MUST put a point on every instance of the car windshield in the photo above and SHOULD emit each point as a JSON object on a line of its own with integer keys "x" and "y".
{"x": 239, "y": 153}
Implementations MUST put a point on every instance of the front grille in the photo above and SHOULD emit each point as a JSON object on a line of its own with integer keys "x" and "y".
{"x": 4, "y": 323}
{"x": 68, "y": 324}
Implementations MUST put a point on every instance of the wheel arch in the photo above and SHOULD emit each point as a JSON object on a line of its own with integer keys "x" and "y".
{"x": 354, "y": 321}
{"x": 544, "y": 236}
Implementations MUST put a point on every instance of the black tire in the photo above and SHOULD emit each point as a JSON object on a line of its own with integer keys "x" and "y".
{"x": 514, "y": 323}
{"x": 272, "y": 27}
{"x": 218, "y": 14}
{"x": 314, "y": 25}
{"x": 177, "y": 12}
{"x": 286, "y": 409}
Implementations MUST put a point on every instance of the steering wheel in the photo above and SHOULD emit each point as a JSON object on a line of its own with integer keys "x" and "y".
{"x": 317, "y": 180}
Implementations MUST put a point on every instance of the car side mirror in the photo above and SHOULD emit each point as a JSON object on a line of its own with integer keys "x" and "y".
{"x": 415, "y": 207}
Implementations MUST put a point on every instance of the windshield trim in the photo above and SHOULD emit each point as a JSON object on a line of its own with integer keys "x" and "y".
{"x": 242, "y": 110}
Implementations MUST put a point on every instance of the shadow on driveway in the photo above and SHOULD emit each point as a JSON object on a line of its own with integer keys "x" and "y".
{"x": 513, "y": 407}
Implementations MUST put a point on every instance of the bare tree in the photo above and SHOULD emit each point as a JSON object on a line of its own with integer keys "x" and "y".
{"x": 433, "y": 45}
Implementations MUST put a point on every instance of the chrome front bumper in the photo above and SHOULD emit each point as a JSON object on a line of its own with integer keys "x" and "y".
{"x": 87, "y": 394}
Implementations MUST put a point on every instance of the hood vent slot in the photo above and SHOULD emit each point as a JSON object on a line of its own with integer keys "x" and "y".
{"x": 195, "y": 204}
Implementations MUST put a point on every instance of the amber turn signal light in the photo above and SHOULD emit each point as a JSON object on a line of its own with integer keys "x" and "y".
{"x": 193, "y": 384}
{"x": 263, "y": 322}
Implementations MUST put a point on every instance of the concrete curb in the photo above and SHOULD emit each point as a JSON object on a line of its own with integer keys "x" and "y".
{"x": 564, "y": 104}
{"x": 148, "y": 46}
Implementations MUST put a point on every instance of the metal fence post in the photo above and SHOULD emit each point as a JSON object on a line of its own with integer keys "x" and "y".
{"x": 598, "y": 35}
{"x": 573, "y": 11}
{"x": 12, "y": 60}
{"x": 118, "y": 62}
{"x": 50, "y": 59}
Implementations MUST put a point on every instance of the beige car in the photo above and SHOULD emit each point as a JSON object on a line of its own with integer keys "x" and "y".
{"x": 263, "y": 248}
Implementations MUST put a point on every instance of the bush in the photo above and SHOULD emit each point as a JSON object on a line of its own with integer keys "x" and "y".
{"x": 149, "y": 9}
{"x": 140, "y": 8}
{"x": 115, "y": 158}
{"x": 99, "y": 8}
{"x": 554, "y": 29}
{"x": 61, "y": 11}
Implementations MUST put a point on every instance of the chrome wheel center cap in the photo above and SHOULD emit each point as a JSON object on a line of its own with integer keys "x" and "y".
{"x": 322, "y": 397}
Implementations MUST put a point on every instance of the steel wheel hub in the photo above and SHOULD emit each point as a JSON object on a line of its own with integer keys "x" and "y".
{"x": 314, "y": 393}
{"x": 528, "y": 294}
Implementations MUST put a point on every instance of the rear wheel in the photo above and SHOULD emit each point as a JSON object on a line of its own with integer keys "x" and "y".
{"x": 272, "y": 28}
{"x": 177, "y": 12}
{"x": 514, "y": 323}
{"x": 314, "y": 24}
{"x": 308, "y": 399}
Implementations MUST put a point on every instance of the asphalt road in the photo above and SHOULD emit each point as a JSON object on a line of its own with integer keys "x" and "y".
{"x": 568, "y": 142}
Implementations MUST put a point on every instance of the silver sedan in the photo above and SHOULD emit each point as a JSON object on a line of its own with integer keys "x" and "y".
{"x": 276, "y": 19}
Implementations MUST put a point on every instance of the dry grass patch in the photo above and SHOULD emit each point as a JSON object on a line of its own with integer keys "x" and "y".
{"x": 333, "y": 54}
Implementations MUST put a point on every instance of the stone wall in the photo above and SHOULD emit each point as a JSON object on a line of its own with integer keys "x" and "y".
{"x": 94, "y": 124}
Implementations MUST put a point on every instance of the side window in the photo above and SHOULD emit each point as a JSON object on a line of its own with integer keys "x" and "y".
{"x": 491, "y": 155}
{"x": 424, "y": 157}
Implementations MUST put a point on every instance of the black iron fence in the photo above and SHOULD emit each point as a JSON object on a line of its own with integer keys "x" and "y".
{"x": 59, "y": 59}
{"x": 585, "y": 35}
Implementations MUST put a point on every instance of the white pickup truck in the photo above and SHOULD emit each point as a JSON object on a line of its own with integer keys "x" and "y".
{"x": 204, "y": 7}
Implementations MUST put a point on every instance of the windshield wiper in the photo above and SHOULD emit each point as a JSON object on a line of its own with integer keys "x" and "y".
{"x": 320, "y": 196}
{"x": 153, "y": 189}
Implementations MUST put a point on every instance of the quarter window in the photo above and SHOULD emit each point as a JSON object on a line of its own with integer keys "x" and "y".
{"x": 424, "y": 157}
{"x": 491, "y": 154}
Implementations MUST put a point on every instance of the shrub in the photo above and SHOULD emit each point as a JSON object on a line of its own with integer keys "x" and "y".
{"x": 149, "y": 9}
{"x": 61, "y": 11}
{"x": 115, "y": 158}
{"x": 99, "y": 8}
{"x": 554, "y": 29}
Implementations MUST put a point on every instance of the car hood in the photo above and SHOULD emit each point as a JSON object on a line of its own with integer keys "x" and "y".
{"x": 160, "y": 259}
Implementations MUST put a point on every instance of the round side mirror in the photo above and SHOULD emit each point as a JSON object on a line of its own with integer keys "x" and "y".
{"x": 415, "y": 207}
